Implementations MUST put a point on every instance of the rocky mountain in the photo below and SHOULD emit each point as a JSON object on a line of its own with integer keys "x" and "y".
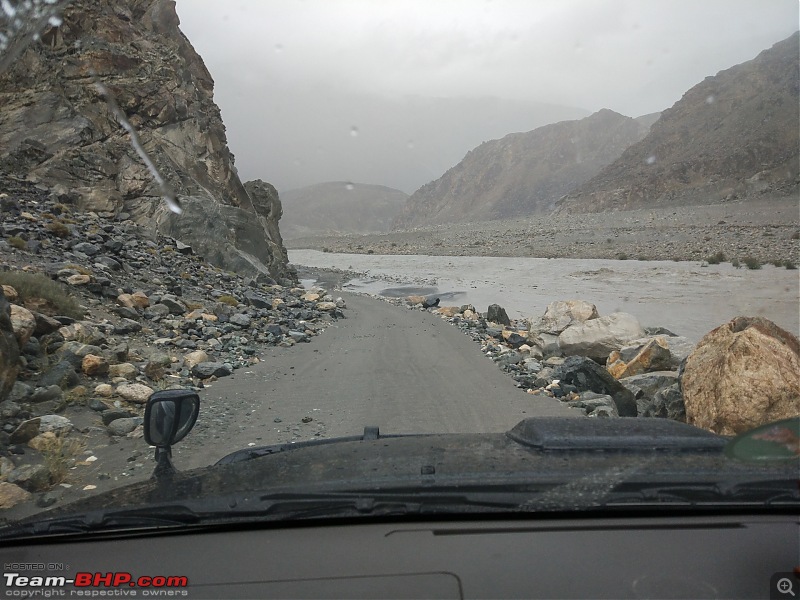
{"x": 522, "y": 173}
{"x": 57, "y": 130}
{"x": 734, "y": 135}
{"x": 339, "y": 207}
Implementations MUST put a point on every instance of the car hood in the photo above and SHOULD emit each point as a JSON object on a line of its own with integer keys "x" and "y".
{"x": 599, "y": 454}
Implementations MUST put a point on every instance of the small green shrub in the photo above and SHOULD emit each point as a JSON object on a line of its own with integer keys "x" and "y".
{"x": 736, "y": 264}
{"x": 790, "y": 265}
{"x": 622, "y": 256}
{"x": 36, "y": 285}
{"x": 229, "y": 300}
{"x": 752, "y": 263}
{"x": 17, "y": 242}
{"x": 716, "y": 259}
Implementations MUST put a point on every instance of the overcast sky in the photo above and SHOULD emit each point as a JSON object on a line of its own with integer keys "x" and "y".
{"x": 301, "y": 83}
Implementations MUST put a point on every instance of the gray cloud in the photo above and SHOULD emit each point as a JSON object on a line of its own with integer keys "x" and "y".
{"x": 292, "y": 77}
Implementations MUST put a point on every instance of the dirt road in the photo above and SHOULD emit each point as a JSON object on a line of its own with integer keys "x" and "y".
{"x": 404, "y": 371}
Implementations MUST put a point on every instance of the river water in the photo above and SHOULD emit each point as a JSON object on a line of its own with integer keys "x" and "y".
{"x": 684, "y": 297}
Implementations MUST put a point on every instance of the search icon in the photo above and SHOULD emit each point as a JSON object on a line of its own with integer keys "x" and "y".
{"x": 785, "y": 586}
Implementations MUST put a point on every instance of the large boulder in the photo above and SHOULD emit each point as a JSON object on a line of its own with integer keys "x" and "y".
{"x": 742, "y": 374}
{"x": 597, "y": 338}
{"x": 9, "y": 349}
{"x": 23, "y": 323}
{"x": 563, "y": 313}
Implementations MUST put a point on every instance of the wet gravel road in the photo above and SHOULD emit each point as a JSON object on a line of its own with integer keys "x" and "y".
{"x": 401, "y": 370}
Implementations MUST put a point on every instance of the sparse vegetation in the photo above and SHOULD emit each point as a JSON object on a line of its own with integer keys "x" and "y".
{"x": 622, "y": 256}
{"x": 36, "y": 285}
{"x": 790, "y": 265}
{"x": 736, "y": 264}
{"x": 752, "y": 263}
{"x": 59, "y": 453}
{"x": 17, "y": 242}
{"x": 716, "y": 259}
{"x": 58, "y": 229}
{"x": 229, "y": 300}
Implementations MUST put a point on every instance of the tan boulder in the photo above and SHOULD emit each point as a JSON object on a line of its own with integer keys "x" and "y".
{"x": 448, "y": 311}
{"x": 11, "y": 495}
{"x": 653, "y": 355}
{"x": 125, "y": 300}
{"x": 10, "y": 293}
{"x": 742, "y": 374}
{"x": 23, "y": 323}
{"x": 135, "y": 392}
{"x": 415, "y": 299}
{"x": 140, "y": 300}
{"x": 326, "y": 306}
{"x": 311, "y": 297}
{"x": 126, "y": 370}
{"x": 94, "y": 365}
{"x": 79, "y": 279}
{"x": 195, "y": 358}
{"x": 276, "y": 302}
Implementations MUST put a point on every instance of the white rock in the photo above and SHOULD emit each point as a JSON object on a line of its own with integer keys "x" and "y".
{"x": 596, "y": 338}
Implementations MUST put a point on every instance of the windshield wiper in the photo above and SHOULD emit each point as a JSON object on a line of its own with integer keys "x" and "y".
{"x": 150, "y": 517}
{"x": 764, "y": 493}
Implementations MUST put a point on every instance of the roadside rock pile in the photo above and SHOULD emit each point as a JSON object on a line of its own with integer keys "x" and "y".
{"x": 742, "y": 374}
{"x": 94, "y": 317}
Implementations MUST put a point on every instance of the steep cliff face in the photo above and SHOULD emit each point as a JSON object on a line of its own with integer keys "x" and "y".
{"x": 522, "y": 173}
{"x": 56, "y": 128}
{"x": 733, "y": 136}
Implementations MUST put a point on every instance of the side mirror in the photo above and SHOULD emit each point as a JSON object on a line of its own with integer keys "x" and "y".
{"x": 168, "y": 417}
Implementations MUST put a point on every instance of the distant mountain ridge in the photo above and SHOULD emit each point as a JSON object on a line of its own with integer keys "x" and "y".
{"x": 523, "y": 173}
{"x": 339, "y": 207}
{"x": 733, "y": 135}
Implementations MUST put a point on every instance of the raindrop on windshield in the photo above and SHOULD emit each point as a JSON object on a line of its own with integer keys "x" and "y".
{"x": 710, "y": 99}
{"x": 278, "y": 48}
{"x": 55, "y": 21}
{"x": 650, "y": 159}
{"x": 354, "y": 131}
{"x": 349, "y": 186}
{"x": 410, "y": 144}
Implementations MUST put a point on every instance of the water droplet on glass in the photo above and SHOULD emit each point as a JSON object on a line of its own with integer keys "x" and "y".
{"x": 55, "y": 21}
{"x": 349, "y": 186}
{"x": 297, "y": 162}
{"x": 710, "y": 99}
{"x": 650, "y": 159}
{"x": 354, "y": 131}
{"x": 278, "y": 48}
{"x": 410, "y": 144}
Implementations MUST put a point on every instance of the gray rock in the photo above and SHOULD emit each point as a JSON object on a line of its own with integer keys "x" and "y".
{"x": 73, "y": 352}
{"x": 667, "y": 403}
{"x": 156, "y": 310}
{"x": 204, "y": 370}
{"x": 126, "y": 326}
{"x": 597, "y": 338}
{"x": 586, "y": 375}
{"x": 299, "y": 336}
{"x": 9, "y": 409}
{"x": 497, "y": 314}
{"x": 175, "y": 306}
{"x": 257, "y": 300}
{"x": 9, "y": 349}
{"x": 240, "y": 319}
{"x": 124, "y": 426}
{"x": 109, "y": 262}
{"x": 55, "y": 423}
{"x": 32, "y": 478}
{"x": 86, "y": 248}
{"x": 112, "y": 414}
{"x": 45, "y": 394}
{"x": 20, "y": 392}
{"x": 62, "y": 374}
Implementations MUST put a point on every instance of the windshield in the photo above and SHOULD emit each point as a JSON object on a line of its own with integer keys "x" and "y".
{"x": 415, "y": 217}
